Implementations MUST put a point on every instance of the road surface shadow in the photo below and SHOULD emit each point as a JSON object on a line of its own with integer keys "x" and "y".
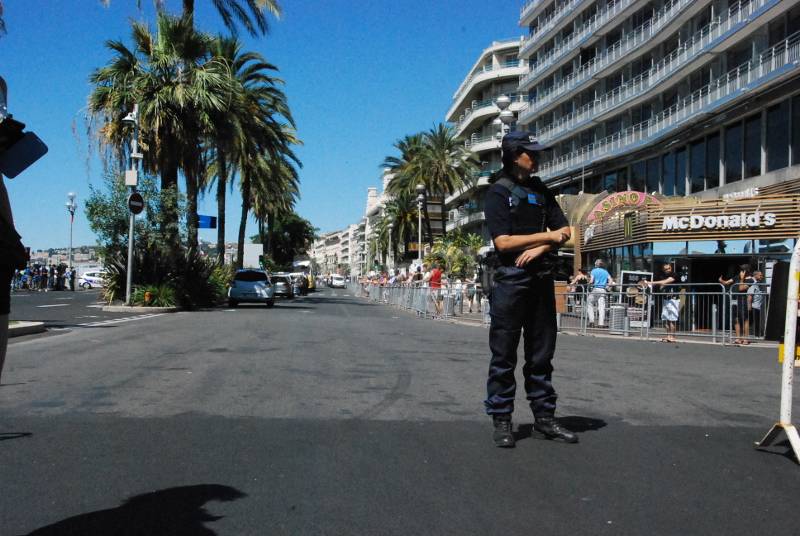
{"x": 573, "y": 423}
{"x": 170, "y": 512}
{"x": 5, "y": 436}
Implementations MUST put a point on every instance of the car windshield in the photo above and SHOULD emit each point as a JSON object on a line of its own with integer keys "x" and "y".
{"x": 250, "y": 276}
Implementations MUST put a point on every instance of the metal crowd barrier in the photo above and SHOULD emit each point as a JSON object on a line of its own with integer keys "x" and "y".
{"x": 702, "y": 310}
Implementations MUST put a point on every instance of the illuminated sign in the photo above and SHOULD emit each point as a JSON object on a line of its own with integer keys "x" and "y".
{"x": 697, "y": 222}
{"x": 627, "y": 199}
{"x": 749, "y": 193}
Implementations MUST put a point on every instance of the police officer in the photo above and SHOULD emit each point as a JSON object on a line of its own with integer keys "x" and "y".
{"x": 526, "y": 224}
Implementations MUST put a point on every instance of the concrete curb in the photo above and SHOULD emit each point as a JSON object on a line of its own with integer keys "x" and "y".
{"x": 138, "y": 309}
{"x": 19, "y": 329}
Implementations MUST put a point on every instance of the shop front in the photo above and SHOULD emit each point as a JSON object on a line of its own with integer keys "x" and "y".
{"x": 702, "y": 239}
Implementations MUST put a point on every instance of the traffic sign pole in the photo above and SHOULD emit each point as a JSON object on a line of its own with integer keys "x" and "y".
{"x": 135, "y": 196}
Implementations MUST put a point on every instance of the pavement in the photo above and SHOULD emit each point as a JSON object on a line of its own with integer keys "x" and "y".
{"x": 333, "y": 415}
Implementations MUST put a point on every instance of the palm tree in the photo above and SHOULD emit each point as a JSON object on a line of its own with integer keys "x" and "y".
{"x": 251, "y": 14}
{"x": 446, "y": 165}
{"x": 179, "y": 88}
{"x": 407, "y": 172}
{"x": 2, "y": 22}
{"x": 274, "y": 200}
{"x": 401, "y": 212}
{"x": 250, "y": 71}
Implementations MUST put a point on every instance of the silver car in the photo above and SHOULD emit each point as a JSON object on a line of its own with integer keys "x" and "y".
{"x": 251, "y": 286}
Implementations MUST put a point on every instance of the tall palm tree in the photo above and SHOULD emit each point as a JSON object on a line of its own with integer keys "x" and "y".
{"x": 179, "y": 88}
{"x": 446, "y": 164}
{"x": 401, "y": 212}
{"x": 274, "y": 199}
{"x": 250, "y": 71}
{"x": 407, "y": 172}
{"x": 251, "y": 14}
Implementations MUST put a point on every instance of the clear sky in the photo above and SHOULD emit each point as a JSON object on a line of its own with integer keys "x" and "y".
{"x": 359, "y": 76}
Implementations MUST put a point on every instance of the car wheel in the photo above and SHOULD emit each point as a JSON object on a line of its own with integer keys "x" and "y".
{"x": 86, "y": 286}
{"x": 270, "y": 303}
{"x": 232, "y": 303}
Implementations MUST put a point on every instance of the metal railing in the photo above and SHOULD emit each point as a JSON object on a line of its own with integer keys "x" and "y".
{"x": 587, "y": 115}
{"x": 706, "y": 311}
{"x": 549, "y": 23}
{"x": 477, "y": 106}
{"x": 571, "y": 44}
{"x": 610, "y": 56}
{"x": 463, "y": 88}
{"x": 693, "y": 107}
{"x": 527, "y": 7}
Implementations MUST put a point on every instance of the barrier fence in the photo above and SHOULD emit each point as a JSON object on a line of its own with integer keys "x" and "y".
{"x": 702, "y": 311}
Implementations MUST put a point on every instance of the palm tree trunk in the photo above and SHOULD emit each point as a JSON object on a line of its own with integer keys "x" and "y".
{"x": 243, "y": 221}
{"x": 188, "y": 8}
{"x": 169, "y": 208}
{"x": 222, "y": 183}
{"x": 262, "y": 236}
{"x": 192, "y": 219}
{"x": 270, "y": 242}
{"x": 427, "y": 219}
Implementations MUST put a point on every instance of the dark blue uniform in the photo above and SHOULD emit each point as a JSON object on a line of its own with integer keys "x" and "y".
{"x": 522, "y": 300}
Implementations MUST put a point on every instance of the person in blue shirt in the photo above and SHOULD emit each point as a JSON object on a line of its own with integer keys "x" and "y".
{"x": 599, "y": 281}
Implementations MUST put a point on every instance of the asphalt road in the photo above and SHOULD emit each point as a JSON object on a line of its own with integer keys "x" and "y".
{"x": 331, "y": 415}
{"x": 63, "y": 309}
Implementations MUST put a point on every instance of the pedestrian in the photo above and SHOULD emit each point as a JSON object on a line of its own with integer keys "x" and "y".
{"x": 519, "y": 210}
{"x": 579, "y": 284}
{"x": 671, "y": 305}
{"x": 755, "y": 302}
{"x": 599, "y": 281}
{"x": 434, "y": 280}
{"x": 12, "y": 257}
{"x": 739, "y": 284}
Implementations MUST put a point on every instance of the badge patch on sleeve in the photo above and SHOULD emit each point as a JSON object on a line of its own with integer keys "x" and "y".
{"x": 532, "y": 199}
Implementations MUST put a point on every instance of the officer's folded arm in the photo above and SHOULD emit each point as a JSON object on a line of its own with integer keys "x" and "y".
{"x": 511, "y": 243}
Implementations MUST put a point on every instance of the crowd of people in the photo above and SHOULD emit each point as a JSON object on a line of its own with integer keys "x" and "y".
{"x": 431, "y": 276}
{"x": 40, "y": 277}
{"x": 746, "y": 296}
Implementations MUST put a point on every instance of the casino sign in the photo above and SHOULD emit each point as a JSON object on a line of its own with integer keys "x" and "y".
{"x": 619, "y": 201}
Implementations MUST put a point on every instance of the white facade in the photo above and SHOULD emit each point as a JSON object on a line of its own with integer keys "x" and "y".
{"x": 671, "y": 96}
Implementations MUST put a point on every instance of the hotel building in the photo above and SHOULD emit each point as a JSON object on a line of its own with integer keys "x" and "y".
{"x": 690, "y": 107}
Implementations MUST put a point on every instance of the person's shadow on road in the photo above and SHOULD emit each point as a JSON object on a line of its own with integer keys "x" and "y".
{"x": 170, "y": 512}
{"x": 573, "y": 423}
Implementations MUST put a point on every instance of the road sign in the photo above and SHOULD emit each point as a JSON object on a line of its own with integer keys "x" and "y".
{"x": 136, "y": 203}
{"x": 206, "y": 222}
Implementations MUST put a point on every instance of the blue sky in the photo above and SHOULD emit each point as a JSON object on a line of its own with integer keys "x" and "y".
{"x": 359, "y": 76}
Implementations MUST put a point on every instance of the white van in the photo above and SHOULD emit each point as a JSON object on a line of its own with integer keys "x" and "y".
{"x": 338, "y": 281}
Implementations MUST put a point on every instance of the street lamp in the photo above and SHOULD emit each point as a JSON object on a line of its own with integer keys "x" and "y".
{"x": 505, "y": 117}
{"x": 391, "y": 250}
{"x": 71, "y": 207}
{"x": 132, "y": 180}
{"x": 420, "y": 202}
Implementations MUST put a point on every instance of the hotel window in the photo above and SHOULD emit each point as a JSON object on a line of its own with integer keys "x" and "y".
{"x": 778, "y": 136}
{"x": 668, "y": 174}
{"x": 796, "y": 130}
{"x": 680, "y": 172}
{"x": 712, "y": 161}
{"x": 653, "y": 177}
{"x": 697, "y": 165}
{"x": 752, "y": 146}
{"x": 639, "y": 176}
{"x": 733, "y": 153}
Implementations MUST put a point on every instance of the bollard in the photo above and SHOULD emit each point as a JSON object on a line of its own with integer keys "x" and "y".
{"x": 714, "y": 322}
{"x": 626, "y": 326}
{"x": 558, "y": 321}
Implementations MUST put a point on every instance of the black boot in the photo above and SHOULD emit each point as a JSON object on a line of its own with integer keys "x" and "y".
{"x": 503, "y": 436}
{"x": 550, "y": 429}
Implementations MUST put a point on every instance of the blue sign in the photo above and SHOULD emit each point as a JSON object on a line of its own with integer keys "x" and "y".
{"x": 207, "y": 222}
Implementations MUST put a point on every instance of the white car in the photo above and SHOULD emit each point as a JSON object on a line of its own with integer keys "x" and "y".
{"x": 95, "y": 279}
{"x": 251, "y": 286}
{"x": 338, "y": 281}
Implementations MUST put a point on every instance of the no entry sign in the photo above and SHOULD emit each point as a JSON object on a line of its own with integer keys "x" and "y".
{"x": 136, "y": 203}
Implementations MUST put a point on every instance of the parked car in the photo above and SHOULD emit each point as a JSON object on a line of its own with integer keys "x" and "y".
{"x": 252, "y": 286}
{"x": 338, "y": 281}
{"x": 93, "y": 279}
{"x": 282, "y": 285}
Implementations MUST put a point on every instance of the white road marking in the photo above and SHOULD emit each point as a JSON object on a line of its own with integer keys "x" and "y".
{"x": 97, "y": 306}
{"x": 111, "y": 321}
{"x": 229, "y": 310}
{"x": 53, "y": 305}
{"x": 60, "y": 299}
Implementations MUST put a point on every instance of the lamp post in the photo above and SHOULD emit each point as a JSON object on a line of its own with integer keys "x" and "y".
{"x": 390, "y": 248}
{"x": 132, "y": 180}
{"x": 420, "y": 201}
{"x": 505, "y": 117}
{"x": 71, "y": 207}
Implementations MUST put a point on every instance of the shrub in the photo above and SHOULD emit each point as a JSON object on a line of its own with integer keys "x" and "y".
{"x": 160, "y": 296}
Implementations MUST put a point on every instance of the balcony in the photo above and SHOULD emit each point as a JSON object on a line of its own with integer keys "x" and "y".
{"x": 589, "y": 30}
{"x": 529, "y": 10}
{"x": 589, "y": 71}
{"x": 778, "y": 62}
{"x": 481, "y": 144}
{"x": 637, "y": 88}
{"x": 549, "y": 25}
{"x": 481, "y": 180}
{"x": 486, "y": 108}
{"x": 465, "y": 219}
{"x": 508, "y": 69}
